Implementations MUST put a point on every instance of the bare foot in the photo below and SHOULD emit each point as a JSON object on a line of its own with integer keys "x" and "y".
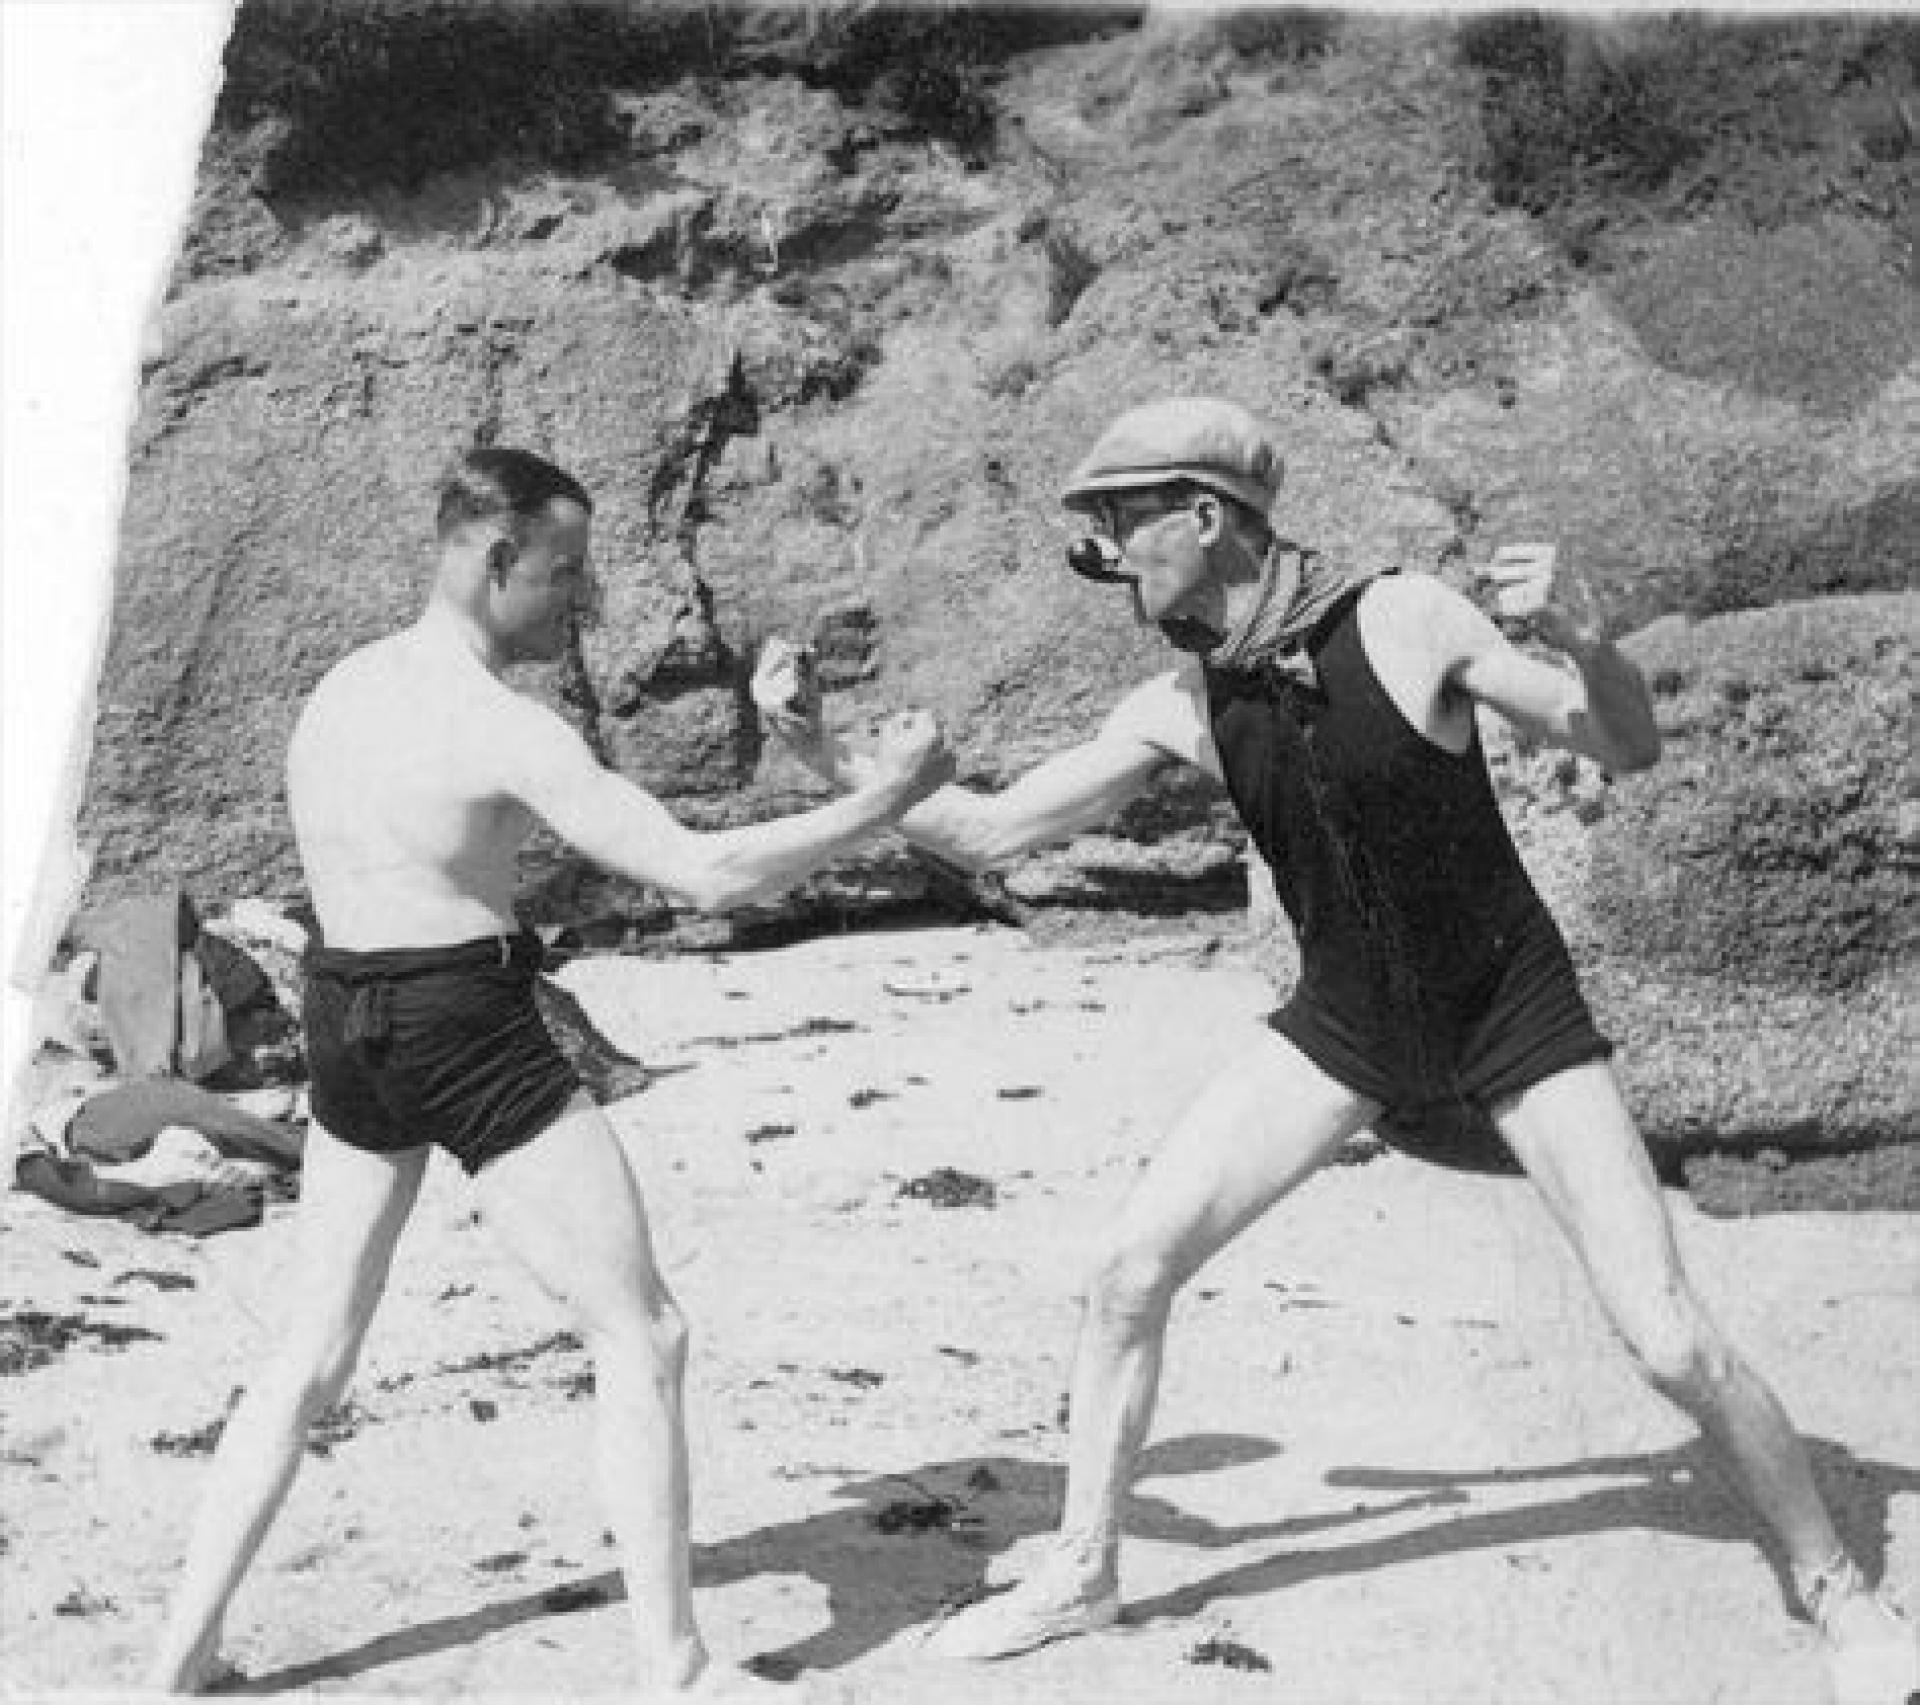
{"x": 201, "y": 1670}
{"x": 720, "y": 1684}
{"x": 1056, "y": 1602}
{"x": 1024, "y": 1558}
{"x": 1873, "y": 1652}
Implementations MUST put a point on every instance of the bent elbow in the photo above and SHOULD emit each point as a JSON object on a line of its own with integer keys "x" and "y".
{"x": 1646, "y": 751}
{"x": 1618, "y": 748}
{"x": 1640, "y": 753}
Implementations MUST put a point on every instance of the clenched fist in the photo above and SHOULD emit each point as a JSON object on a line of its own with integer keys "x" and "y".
{"x": 786, "y": 691}
{"x": 911, "y": 754}
{"x": 1543, "y": 596}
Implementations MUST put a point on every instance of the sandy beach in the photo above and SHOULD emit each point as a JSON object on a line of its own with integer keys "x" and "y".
{"x": 1397, "y": 1457}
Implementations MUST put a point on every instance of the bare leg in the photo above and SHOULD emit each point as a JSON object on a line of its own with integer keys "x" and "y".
{"x": 1262, "y": 1127}
{"x": 352, "y": 1208}
{"x": 1577, "y": 1140}
{"x": 568, "y": 1207}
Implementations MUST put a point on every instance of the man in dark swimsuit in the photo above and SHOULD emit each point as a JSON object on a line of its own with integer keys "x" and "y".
{"x": 414, "y": 776}
{"x": 1340, "y": 713}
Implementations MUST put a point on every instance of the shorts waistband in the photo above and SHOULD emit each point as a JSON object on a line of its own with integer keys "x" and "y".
{"x": 523, "y": 949}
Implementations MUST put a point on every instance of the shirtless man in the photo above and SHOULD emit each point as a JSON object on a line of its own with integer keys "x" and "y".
{"x": 1339, "y": 712}
{"x": 414, "y": 775}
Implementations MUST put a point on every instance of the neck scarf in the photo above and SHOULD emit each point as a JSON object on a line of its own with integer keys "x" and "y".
{"x": 1297, "y": 587}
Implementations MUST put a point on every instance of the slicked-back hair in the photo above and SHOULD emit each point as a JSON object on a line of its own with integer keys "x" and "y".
{"x": 491, "y": 482}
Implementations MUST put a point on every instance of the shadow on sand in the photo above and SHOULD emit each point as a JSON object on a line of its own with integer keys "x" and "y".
{"x": 898, "y": 1549}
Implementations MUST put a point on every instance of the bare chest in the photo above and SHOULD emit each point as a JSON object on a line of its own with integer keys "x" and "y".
{"x": 387, "y": 774}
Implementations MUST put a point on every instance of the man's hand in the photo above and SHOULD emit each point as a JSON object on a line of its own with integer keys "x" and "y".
{"x": 909, "y": 759}
{"x": 787, "y": 693}
{"x": 1538, "y": 595}
{"x": 911, "y": 756}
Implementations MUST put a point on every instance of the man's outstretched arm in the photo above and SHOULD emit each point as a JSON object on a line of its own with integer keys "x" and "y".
{"x": 1073, "y": 790}
{"x": 601, "y": 814}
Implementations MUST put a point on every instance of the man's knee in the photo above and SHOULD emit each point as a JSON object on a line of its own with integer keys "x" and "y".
{"x": 1678, "y": 1350}
{"x": 1129, "y": 1287}
{"x": 670, "y": 1338}
{"x": 651, "y": 1344}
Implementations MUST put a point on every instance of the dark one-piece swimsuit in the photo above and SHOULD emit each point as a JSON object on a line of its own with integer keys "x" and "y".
{"x": 1431, "y": 973}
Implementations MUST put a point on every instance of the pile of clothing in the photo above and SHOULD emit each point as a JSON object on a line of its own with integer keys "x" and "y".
{"x": 165, "y": 1088}
{"x": 169, "y": 1084}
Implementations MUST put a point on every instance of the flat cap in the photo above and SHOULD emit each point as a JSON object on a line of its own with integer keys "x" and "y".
{"x": 1208, "y": 440}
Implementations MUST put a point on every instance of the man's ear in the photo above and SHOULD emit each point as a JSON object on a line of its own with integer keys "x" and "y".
{"x": 502, "y": 554}
{"x": 1210, "y": 514}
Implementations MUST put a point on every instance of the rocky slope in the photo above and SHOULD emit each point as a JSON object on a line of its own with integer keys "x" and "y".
{"x": 823, "y": 301}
